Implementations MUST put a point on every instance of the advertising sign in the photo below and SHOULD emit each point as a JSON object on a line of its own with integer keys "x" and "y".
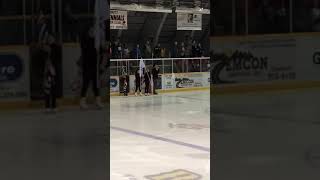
{"x": 254, "y": 60}
{"x": 185, "y": 80}
{"x": 14, "y": 74}
{"x": 189, "y": 22}
{"x": 114, "y": 84}
{"x": 118, "y": 19}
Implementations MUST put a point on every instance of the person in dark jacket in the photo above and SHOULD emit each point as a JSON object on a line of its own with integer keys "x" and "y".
{"x": 147, "y": 78}
{"x": 199, "y": 50}
{"x": 89, "y": 67}
{"x": 175, "y": 50}
{"x": 125, "y": 88}
{"x": 194, "y": 49}
{"x": 136, "y": 52}
{"x": 49, "y": 83}
{"x": 157, "y": 51}
{"x": 138, "y": 82}
{"x": 155, "y": 76}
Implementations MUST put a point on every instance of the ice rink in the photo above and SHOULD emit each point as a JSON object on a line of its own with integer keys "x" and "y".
{"x": 158, "y": 137}
{"x": 70, "y": 144}
{"x": 274, "y": 135}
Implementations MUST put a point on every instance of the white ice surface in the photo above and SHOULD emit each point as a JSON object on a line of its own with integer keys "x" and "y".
{"x": 268, "y": 135}
{"x": 159, "y": 134}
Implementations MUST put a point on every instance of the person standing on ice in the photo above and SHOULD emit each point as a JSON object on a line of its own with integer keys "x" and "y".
{"x": 155, "y": 76}
{"x": 147, "y": 78}
{"x": 49, "y": 83}
{"x": 89, "y": 68}
{"x": 138, "y": 82}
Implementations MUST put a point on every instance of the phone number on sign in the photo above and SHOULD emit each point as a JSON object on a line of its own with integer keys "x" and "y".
{"x": 282, "y": 76}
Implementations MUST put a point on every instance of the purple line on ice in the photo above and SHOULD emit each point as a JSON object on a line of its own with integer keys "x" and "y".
{"x": 162, "y": 139}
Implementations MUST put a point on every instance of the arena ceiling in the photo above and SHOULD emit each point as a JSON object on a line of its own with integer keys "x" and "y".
{"x": 168, "y": 3}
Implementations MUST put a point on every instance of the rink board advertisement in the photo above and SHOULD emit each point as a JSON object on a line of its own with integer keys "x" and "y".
{"x": 265, "y": 59}
{"x": 185, "y": 80}
{"x": 114, "y": 84}
{"x": 168, "y": 81}
{"x": 14, "y": 74}
{"x": 189, "y": 22}
{"x": 118, "y": 19}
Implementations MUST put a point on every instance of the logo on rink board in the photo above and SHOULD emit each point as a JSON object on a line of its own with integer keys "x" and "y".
{"x": 189, "y": 126}
{"x": 316, "y": 58}
{"x": 179, "y": 174}
{"x": 113, "y": 83}
{"x": 312, "y": 156}
{"x": 11, "y": 67}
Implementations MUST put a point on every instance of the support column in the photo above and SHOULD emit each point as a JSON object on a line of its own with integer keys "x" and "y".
{"x": 163, "y": 20}
{"x": 247, "y": 16}
{"x": 60, "y": 21}
{"x": 233, "y": 17}
{"x": 24, "y": 22}
{"x": 53, "y": 17}
{"x": 291, "y": 16}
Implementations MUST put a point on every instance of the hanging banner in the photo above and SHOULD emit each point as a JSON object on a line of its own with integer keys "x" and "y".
{"x": 118, "y": 19}
{"x": 189, "y": 22}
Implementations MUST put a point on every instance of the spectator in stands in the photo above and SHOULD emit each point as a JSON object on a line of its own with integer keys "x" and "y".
{"x": 175, "y": 50}
{"x": 110, "y": 50}
{"x": 188, "y": 47}
{"x": 183, "y": 55}
{"x": 182, "y": 50}
{"x": 315, "y": 19}
{"x": 175, "y": 54}
{"x": 194, "y": 49}
{"x": 157, "y": 51}
{"x": 126, "y": 52}
{"x": 267, "y": 17}
{"x": 147, "y": 50}
{"x": 137, "y": 52}
{"x": 163, "y": 52}
{"x": 114, "y": 46}
{"x": 199, "y": 50}
{"x": 119, "y": 51}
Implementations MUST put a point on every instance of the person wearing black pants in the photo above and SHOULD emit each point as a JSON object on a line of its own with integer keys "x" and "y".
{"x": 50, "y": 99}
{"x": 147, "y": 77}
{"x": 138, "y": 83}
{"x": 155, "y": 76}
{"x": 50, "y": 91}
{"x": 89, "y": 75}
{"x": 89, "y": 67}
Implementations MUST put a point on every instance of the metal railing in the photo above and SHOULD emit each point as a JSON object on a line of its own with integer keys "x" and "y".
{"x": 120, "y": 67}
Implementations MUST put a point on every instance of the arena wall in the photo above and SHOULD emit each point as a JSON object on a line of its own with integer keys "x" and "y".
{"x": 263, "y": 63}
{"x": 169, "y": 82}
{"x": 270, "y": 62}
